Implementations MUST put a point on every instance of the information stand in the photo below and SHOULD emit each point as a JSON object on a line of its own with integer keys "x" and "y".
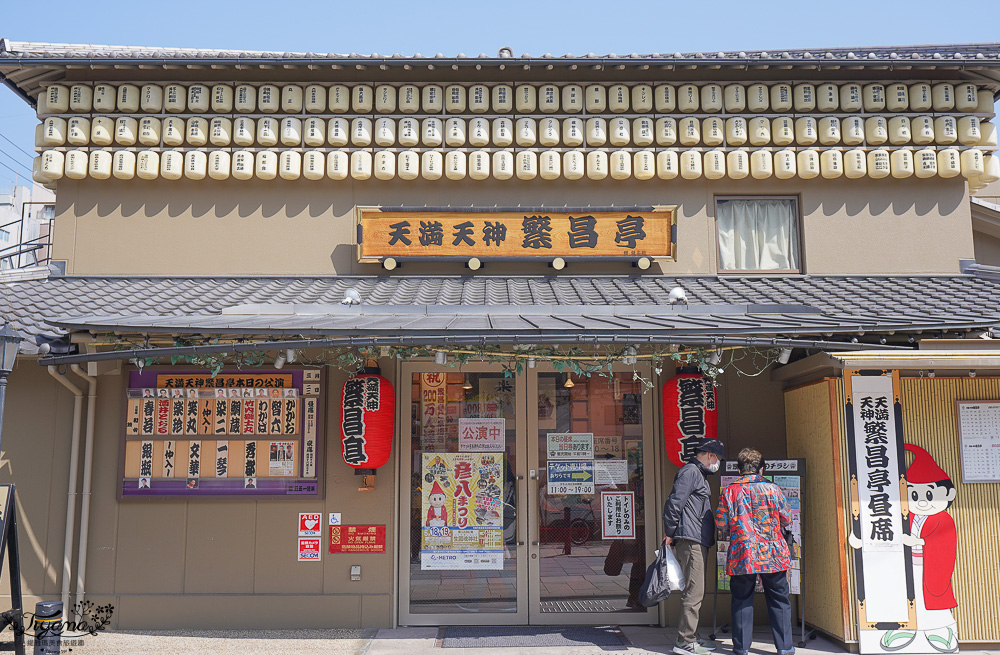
{"x": 8, "y": 542}
{"x": 789, "y": 475}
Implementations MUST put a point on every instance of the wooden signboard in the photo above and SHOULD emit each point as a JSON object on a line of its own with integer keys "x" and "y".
{"x": 528, "y": 233}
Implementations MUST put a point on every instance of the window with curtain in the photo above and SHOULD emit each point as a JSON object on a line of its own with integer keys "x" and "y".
{"x": 758, "y": 235}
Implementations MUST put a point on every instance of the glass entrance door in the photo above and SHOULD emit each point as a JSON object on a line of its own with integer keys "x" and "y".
{"x": 523, "y": 498}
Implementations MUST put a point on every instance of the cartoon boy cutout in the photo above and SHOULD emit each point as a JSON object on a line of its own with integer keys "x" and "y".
{"x": 437, "y": 514}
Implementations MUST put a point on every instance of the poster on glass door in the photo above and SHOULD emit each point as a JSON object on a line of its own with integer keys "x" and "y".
{"x": 461, "y": 511}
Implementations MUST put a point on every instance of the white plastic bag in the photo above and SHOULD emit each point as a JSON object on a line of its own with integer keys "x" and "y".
{"x": 675, "y": 575}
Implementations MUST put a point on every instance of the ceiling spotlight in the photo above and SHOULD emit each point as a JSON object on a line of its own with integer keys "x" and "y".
{"x": 440, "y": 358}
{"x": 531, "y": 362}
{"x": 677, "y": 296}
{"x": 921, "y": 373}
{"x": 279, "y": 360}
{"x": 972, "y": 372}
{"x": 291, "y": 355}
{"x": 930, "y": 373}
{"x": 628, "y": 356}
{"x": 784, "y": 355}
{"x": 351, "y": 297}
{"x": 881, "y": 340}
{"x": 468, "y": 383}
{"x": 715, "y": 358}
{"x": 569, "y": 382}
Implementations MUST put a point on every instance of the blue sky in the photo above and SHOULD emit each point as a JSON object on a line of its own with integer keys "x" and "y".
{"x": 450, "y": 27}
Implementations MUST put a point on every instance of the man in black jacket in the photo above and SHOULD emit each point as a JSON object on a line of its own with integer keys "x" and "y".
{"x": 689, "y": 526}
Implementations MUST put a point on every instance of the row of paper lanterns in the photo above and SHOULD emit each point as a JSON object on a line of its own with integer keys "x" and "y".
{"x": 522, "y": 98}
{"x": 525, "y": 132}
{"x": 502, "y": 165}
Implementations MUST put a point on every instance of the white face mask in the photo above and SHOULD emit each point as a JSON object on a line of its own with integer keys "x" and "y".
{"x": 714, "y": 466}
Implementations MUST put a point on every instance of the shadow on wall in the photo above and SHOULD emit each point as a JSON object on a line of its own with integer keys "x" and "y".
{"x": 890, "y": 198}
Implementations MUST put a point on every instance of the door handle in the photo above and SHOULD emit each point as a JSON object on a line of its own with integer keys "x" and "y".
{"x": 534, "y": 543}
{"x": 520, "y": 543}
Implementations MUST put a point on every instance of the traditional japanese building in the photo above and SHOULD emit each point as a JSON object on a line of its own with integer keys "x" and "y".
{"x": 564, "y": 269}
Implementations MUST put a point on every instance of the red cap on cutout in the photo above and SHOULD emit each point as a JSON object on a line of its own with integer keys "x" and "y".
{"x": 924, "y": 469}
{"x": 436, "y": 489}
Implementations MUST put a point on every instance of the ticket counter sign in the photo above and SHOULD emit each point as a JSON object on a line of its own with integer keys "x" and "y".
{"x": 357, "y": 538}
{"x": 566, "y": 478}
{"x": 527, "y": 234}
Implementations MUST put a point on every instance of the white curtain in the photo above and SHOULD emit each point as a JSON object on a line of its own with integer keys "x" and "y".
{"x": 758, "y": 235}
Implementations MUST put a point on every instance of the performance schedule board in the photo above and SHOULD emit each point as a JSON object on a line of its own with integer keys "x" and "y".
{"x": 979, "y": 432}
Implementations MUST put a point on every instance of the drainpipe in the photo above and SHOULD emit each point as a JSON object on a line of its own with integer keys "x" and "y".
{"x": 74, "y": 458}
{"x": 88, "y": 467}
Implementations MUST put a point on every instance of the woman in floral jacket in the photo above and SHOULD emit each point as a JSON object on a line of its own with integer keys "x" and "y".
{"x": 752, "y": 513}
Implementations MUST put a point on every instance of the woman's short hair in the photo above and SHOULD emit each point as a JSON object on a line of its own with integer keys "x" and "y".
{"x": 749, "y": 461}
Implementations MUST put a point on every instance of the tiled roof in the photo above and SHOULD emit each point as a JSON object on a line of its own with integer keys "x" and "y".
{"x": 939, "y": 53}
{"x": 873, "y": 303}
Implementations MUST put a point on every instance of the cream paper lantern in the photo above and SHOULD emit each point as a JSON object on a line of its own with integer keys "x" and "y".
{"x": 455, "y": 133}
{"x": 39, "y": 134}
{"x": 338, "y": 99}
{"x": 147, "y": 165}
{"x": 852, "y": 130}
{"x": 526, "y": 132}
{"x": 432, "y": 132}
{"x": 572, "y": 132}
{"x": 175, "y": 98}
{"x": 105, "y": 97}
{"x": 479, "y": 99}
{"x": 642, "y": 98}
{"x": 502, "y": 130}
{"x": 689, "y": 131}
{"x": 548, "y": 132}
{"x": 36, "y": 171}
{"x": 760, "y": 131}
{"x": 149, "y": 131}
{"x": 969, "y": 133}
{"x": 314, "y": 99}
{"x": 456, "y": 165}
{"x": 290, "y": 165}
{"x": 897, "y": 97}
{"x": 713, "y": 132}
{"x": 989, "y": 132}
{"x": 807, "y": 164}
{"x": 855, "y": 164}
{"x": 827, "y": 97}
{"x": 687, "y": 98}
{"x": 219, "y": 165}
{"x": 873, "y": 97}
{"x": 878, "y": 164}
{"x": 922, "y": 130}
{"x": 714, "y": 164}
{"x": 431, "y": 165}
{"x": 432, "y": 99}
{"x": 549, "y": 165}
{"x": 758, "y": 98}
{"x": 526, "y": 165}
{"x": 479, "y": 165}
{"x": 804, "y": 97}
{"x": 99, "y": 166}
{"x": 736, "y": 131}
{"x": 597, "y": 164}
{"x": 831, "y": 164}
{"x": 806, "y": 131}
{"x": 503, "y": 165}
{"x": 385, "y": 99}
{"x": 972, "y": 162}
{"x": 266, "y": 165}
{"x": 361, "y": 131}
{"x": 362, "y": 99}
{"x": 195, "y": 165}
{"x": 991, "y": 169}
{"x": 921, "y": 98}
{"x": 943, "y": 97}
{"x": 502, "y": 98}
{"x": 643, "y": 132}
{"x": 966, "y": 97}
{"x": 222, "y": 99}
{"x": 781, "y": 97}
{"x": 102, "y": 131}
{"x": 525, "y": 98}
{"x": 197, "y": 131}
{"x": 384, "y": 165}
{"x": 199, "y": 98}
{"x": 851, "y": 97}
{"x": 81, "y": 97}
{"x": 128, "y": 98}
{"x": 574, "y": 165}
{"x": 291, "y": 99}
{"x": 901, "y": 163}
{"x": 314, "y": 164}
{"x": 666, "y": 131}
{"x": 573, "y": 98}
{"x": 268, "y": 98}
{"x": 123, "y": 165}
{"x": 899, "y": 130}
{"x": 220, "y": 131}
{"x": 54, "y": 131}
{"x": 53, "y": 164}
{"x": 409, "y": 132}
{"x": 548, "y": 98}
{"x": 408, "y": 164}
{"x": 76, "y": 164}
{"x": 151, "y": 98}
{"x": 985, "y": 102}
{"x": 361, "y": 164}
{"x": 664, "y": 98}
{"x": 338, "y": 165}
{"x": 597, "y": 132}
{"x": 126, "y": 131}
{"x": 454, "y": 99}
{"x": 711, "y": 98}
{"x": 620, "y": 165}
{"x": 172, "y": 132}
{"x": 738, "y": 164}
{"x": 761, "y": 164}
{"x": 479, "y": 132}
{"x": 337, "y": 132}
{"x": 618, "y": 98}
{"x": 783, "y": 131}
{"x": 667, "y": 164}
{"x": 644, "y": 165}
{"x": 734, "y": 98}
{"x": 596, "y": 98}
{"x": 925, "y": 163}
{"x": 949, "y": 163}
{"x": 409, "y": 99}
{"x": 876, "y": 130}
{"x": 829, "y": 131}
{"x": 619, "y": 132}
{"x": 785, "y": 164}
{"x": 945, "y": 130}
{"x": 690, "y": 165}
{"x": 314, "y": 132}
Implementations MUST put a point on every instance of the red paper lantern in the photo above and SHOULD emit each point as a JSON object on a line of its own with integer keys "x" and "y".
{"x": 689, "y": 415}
{"x": 367, "y": 417}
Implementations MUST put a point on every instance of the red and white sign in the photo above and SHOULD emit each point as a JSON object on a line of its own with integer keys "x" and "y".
{"x": 689, "y": 415}
{"x": 617, "y": 515}
{"x": 310, "y": 524}
{"x": 309, "y": 549}
{"x": 367, "y": 413}
{"x": 482, "y": 435}
{"x": 357, "y": 538}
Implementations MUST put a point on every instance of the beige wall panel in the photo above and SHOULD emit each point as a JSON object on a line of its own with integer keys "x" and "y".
{"x": 987, "y": 249}
{"x": 275, "y": 569}
{"x": 302, "y": 227}
{"x": 813, "y": 434}
{"x": 151, "y": 540}
{"x": 929, "y": 421}
{"x": 286, "y": 612}
{"x": 220, "y": 548}
{"x": 751, "y": 414}
{"x": 103, "y": 547}
{"x": 376, "y": 611}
